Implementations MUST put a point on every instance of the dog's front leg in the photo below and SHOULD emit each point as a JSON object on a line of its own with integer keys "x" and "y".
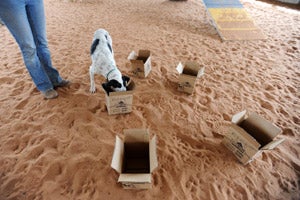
{"x": 92, "y": 88}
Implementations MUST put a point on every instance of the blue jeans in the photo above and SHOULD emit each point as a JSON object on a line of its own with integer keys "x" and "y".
{"x": 25, "y": 19}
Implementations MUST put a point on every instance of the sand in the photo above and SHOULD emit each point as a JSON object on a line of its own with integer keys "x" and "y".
{"x": 61, "y": 149}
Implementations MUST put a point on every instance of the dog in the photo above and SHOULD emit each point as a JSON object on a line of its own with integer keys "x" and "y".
{"x": 103, "y": 63}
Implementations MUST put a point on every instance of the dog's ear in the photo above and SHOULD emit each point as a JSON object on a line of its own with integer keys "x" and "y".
{"x": 110, "y": 48}
{"x": 104, "y": 85}
{"x": 126, "y": 80}
{"x": 94, "y": 45}
{"x": 108, "y": 87}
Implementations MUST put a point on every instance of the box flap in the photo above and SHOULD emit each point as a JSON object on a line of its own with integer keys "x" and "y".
{"x": 273, "y": 144}
{"x": 179, "y": 68}
{"x": 153, "y": 155}
{"x": 147, "y": 67}
{"x": 117, "y": 159}
{"x": 265, "y": 127}
{"x": 237, "y": 118}
{"x": 136, "y": 135}
{"x": 135, "y": 178}
{"x": 144, "y": 53}
{"x": 132, "y": 56}
{"x": 201, "y": 72}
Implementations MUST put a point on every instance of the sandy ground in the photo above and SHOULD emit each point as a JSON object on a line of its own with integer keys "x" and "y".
{"x": 62, "y": 148}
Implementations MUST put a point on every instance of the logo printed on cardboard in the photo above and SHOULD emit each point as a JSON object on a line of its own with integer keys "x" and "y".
{"x": 121, "y": 104}
{"x": 239, "y": 149}
{"x": 138, "y": 72}
{"x": 128, "y": 185}
{"x": 184, "y": 85}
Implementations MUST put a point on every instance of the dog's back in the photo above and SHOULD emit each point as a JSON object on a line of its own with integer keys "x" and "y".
{"x": 103, "y": 63}
{"x": 102, "y": 53}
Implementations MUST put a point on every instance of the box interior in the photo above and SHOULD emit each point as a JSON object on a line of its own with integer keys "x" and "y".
{"x": 255, "y": 130}
{"x": 143, "y": 58}
{"x": 136, "y": 158}
{"x": 191, "y": 68}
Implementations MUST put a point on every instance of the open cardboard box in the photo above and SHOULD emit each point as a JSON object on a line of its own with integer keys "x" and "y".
{"x": 135, "y": 158}
{"x": 120, "y": 102}
{"x": 249, "y": 135}
{"x": 140, "y": 63}
{"x": 188, "y": 74}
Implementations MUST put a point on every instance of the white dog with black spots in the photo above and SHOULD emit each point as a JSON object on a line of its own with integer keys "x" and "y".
{"x": 103, "y": 63}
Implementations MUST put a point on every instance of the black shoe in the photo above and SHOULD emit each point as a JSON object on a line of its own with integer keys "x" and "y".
{"x": 63, "y": 83}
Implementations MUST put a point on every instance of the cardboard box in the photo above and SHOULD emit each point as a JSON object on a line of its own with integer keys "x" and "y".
{"x": 249, "y": 135}
{"x": 120, "y": 102}
{"x": 188, "y": 74}
{"x": 140, "y": 63}
{"x": 135, "y": 158}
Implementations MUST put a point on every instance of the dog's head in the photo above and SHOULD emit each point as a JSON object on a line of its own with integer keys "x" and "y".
{"x": 115, "y": 86}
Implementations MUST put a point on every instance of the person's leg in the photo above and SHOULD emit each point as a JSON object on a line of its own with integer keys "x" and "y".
{"x": 13, "y": 14}
{"x": 36, "y": 18}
